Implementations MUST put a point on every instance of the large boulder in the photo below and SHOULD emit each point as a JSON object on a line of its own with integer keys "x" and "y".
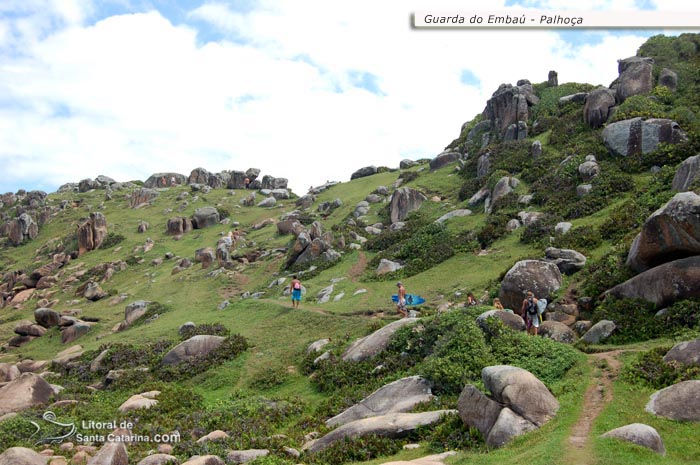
{"x": 404, "y": 201}
{"x": 199, "y": 176}
{"x": 22, "y": 456}
{"x": 142, "y": 197}
{"x": 557, "y": 332}
{"x": 597, "y": 108}
{"x": 159, "y": 459}
{"x": 74, "y": 331}
{"x": 164, "y": 179}
{"x": 178, "y": 226}
{"x": 364, "y": 172}
{"x": 520, "y": 391}
{"x": 477, "y": 410}
{"x": 508, "y": 426}
{"x": 205, "y": 460}
{"x": 685, "y": 353}
{"x": 599, "y": 332}
{"x": 687, "y": 173}
{"x": 400, "y": 396}
{"x": 668, "y": 78}
{"x": 8, "y": 372}
{"x": 247, "y": 455}
{"x": 46, "y": 317}
{"x": 392, "y": 425}
{"x": 443, "y": 159}
{"x": 635, "y": 77}
{"x": 508, "y": 105}
{"x": 663, "y": 284}
{"x": 28, "y": 390}
{"x": 272, "y": 183}
{"x": 191, "y": 348}
{"x": 204, "y": 217}
{"x": 568, "y": 261}
{"x": 387, "y": 266}
{"x": 678, "y": 402}
{"x": 640, "y": 434}
{"x": 369, "y": 346}
{"x": 92, "y": 233}
{"x": 503, "y": 187}
{"x": 510, "y": 320}
{"x": 671, "y": 232}
{"x": 112, "y": 453}
{"x": 22, "y": 228}
{"x": 540, "y": 277}
{"x": 637, "y": 136}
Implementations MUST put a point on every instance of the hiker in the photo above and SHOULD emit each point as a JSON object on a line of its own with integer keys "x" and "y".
{"x": 471, "y": 300}
{"x": 497, "y": 304}
{"x": 246, "y": 183}
{"x": 401, "y": 303}
{"x": 529, "y": 312}
{"x": 228, "y": 239}
{"x": 172, "y": 181}
{"x": 295, "y": 289}
{"x": 163, "y": 182}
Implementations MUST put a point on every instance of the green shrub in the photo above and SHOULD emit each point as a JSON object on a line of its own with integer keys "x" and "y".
{"x": 223, "y": 212}
{"x": 634, "y": 319}
{"x": 649, "y": 369}
{"x": 111, "y": 240}
{"x": 642, "y": 106}
{"x": 358, "y": 449}
{"x": 581, "y": 238}
{"x": 606, "y": 272}
{"x": 457, "y": 356}
{"x": 409, "y": 176}
{"x": 269, "y": 378}
{"x": 494, "y": 229}
{"x": 452, "y": 434}
{"x": 539, "y": 232}
{"x": 213, "y": 329}
{"x": 548, "y": 360}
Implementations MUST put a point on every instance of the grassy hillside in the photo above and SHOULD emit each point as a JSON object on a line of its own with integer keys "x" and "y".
{"x": 271, "y": 387}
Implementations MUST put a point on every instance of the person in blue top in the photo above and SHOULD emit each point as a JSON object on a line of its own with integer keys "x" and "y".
{"x": 295, "y": 288}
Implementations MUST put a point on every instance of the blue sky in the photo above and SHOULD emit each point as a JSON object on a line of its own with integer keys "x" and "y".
{"x": 308, "y": 90}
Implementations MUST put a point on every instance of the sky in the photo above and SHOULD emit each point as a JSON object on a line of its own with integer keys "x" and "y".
{"x": 308, "y": 90}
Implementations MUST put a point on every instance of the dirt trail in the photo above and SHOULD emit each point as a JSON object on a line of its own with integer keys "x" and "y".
{"x": 358, "y": 268}
{"x": 606, "y": 367}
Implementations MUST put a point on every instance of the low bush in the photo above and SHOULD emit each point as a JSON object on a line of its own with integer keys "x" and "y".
{"x": 604, "y": 273}
{"x": 213, "y": 329}
{"x": 358, "y": 449}
{"x": 111, "y": 240}
{"x": 649, "y": 369}
{"x": 581, "y": 238}
{"x": 633, "y": 318}
{"x": 548, "y": 360}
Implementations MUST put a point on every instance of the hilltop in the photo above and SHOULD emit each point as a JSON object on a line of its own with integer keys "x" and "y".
{"x": 164, "y": 303}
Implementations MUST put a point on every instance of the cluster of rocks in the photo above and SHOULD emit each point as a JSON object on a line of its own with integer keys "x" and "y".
{"x": 666, "y": 252}
{"x": 67, "y": 321}
{"x": 16, "y": 287}
{"x": 311, "y": 243}
{"x": 22, "y": 214}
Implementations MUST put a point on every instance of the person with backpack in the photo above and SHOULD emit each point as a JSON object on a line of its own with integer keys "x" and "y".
{"x": 295, "y": 289}
{"x": 530, "y": 313}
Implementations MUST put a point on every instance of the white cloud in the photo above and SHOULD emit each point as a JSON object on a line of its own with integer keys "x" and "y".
{"x": 135, "y": 94}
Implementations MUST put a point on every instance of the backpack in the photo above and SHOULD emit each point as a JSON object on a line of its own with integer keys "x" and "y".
{"x": 531, "y": 308}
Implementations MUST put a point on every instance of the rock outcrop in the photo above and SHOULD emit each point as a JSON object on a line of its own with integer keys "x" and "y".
{"x": 28, "y": 390}
{"x": 404, "y": 201}
{"x": 92, "y": 233}
{"x": 375, "y": 343}
{"x": 663, "y": 284}
{"x": 670, "y": 233}
{"x": 687, "y": 174}
{"x": 540, "y": 277}
{"x": 599, "y": 102}
{"x": 640, "y": 434}
{"x": 191, "y": 348}
{"x": 637, "y": 136}
{"x": 678, "y": 402}
{"x": 397, "y": 397}
{"x": 635, "y": 77}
